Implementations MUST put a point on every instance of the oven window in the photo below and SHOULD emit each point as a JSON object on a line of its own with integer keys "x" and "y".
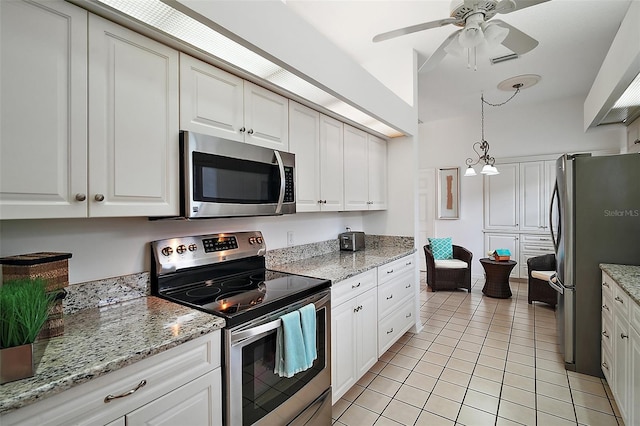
{"x": 262, "y": 390}
{"x": 231, "y": 180}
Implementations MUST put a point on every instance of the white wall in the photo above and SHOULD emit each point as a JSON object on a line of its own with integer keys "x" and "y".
{"x": 512, "y": 131}
{"x": 104, "y": 248}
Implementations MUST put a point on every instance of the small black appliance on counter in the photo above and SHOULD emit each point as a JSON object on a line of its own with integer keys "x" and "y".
{"x": 351, "y": 240}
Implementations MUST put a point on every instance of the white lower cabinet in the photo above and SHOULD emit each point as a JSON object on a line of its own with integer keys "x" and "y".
{"x": 621, "y": 358}
{"x": 354, "y": 347}
{"x": 179, "y": 386}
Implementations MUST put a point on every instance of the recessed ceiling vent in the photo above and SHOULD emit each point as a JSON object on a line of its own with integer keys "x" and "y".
{"x": 503, "y": 58}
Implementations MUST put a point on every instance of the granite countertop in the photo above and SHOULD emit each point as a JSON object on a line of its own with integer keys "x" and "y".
{"x": 94, "y": 344}
{"x": 627, "y": 277}
{"x": 340, "y": 265}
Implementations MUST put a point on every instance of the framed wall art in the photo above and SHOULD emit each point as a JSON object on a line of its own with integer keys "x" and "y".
{"x": 449, "y": 193}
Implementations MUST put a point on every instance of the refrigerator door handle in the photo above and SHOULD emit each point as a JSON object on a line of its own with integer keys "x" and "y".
{"x": 555, "y": 196}
{"x": 555, "y": 283}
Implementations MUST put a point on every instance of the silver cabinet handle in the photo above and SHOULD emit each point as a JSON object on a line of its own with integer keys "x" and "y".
{"x": 355, "y": 286}
{"x": 99, "y": 198}
{"x": 390, "y": 331}
{"x": 605, "y": 284}
{"x": 407, "y": 286}
{"x": 408, "y": 263}
{"x": 390, "y": 271}
{"x": 605, "y": 365}
{"x": 390, "y": 297}
{"x": 408, "y": 315}
{"x": 81, "y": 197}
{"x": 250, "y": 131}
{"x": 606, "y": 307}
{"x": 619, "y": 300}
{"x": 605, "y": 334}
{"x": 242, "y": 130}
{"x": 110, "y": 398}
{"x": 624, "y": 336}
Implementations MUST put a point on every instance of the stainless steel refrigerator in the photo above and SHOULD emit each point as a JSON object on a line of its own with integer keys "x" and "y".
{"x": 597, "y": 203}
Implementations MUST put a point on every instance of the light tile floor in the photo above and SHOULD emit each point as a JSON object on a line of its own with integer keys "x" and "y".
{"x": 478, "y": 361}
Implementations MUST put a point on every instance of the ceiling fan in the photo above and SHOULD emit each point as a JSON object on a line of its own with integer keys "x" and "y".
{"x": 473, "y": 16}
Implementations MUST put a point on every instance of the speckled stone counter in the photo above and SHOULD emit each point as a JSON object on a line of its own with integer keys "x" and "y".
{"x": 340, "y": 265}
{"x": 626, "y": 276}
{"x": 100, "y": 340}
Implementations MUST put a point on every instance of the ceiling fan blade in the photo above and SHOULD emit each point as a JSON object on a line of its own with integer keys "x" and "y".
{"x": 516, "y": 41}
{"x": 414, "y": 28}
{"x": 508, "y": 6}
{"x": 438, "y": 55}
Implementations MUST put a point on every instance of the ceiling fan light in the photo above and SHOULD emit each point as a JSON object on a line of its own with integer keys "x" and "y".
{"x": 470, "y": 37}
{"x": 494, "y": 34}
{"x": 454, "y": 48}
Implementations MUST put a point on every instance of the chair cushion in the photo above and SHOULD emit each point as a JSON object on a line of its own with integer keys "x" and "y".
{"x": 542, "y": 275}
{"x": 441, "y": 248}
{"x": 450, "y": 264}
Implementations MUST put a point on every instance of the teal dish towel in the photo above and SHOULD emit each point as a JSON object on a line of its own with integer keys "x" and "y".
{"x": 291, "y": 356}
{"x": 308, "y": 319}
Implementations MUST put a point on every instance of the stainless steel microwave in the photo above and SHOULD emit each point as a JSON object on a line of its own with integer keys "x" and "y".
{"x": 224, "y": 178}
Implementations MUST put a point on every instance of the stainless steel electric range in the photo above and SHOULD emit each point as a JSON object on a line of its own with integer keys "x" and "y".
{"x": 225, "y": 275}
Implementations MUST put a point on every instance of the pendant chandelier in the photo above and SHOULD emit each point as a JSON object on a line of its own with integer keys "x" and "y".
{"x": 481, "y": 148}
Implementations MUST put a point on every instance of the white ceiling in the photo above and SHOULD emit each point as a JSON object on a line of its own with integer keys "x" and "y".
{"x": 574, "y": 37}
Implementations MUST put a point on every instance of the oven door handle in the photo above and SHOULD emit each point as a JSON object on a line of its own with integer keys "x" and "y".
{"x": 320, "y": 302}
{"x": 282, "y": 181}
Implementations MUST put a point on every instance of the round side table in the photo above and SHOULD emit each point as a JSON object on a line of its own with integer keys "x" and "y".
{"x": 497, "y": 277}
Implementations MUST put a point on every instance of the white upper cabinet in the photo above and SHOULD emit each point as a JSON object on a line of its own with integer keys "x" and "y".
{"x": 43, "y": 97}
{"x": 501, "y": 198}
{"x": 317, "y": 142}
{"x": 133, "y": 123}
{"x": 217, "y": 103}
{"x": 532, "y": 196}
{"x": 365, "y": 171}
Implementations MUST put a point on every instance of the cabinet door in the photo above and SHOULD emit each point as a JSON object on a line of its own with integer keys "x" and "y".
{"x": 43, "y": 125}
{"x": 343, "y": 348}
{"x": 620, "y": 361}
{"x": 304, "y": 140}
{"x": 501, "y": 199}
{"x": 377, "y": 172}
{"x": 266, "y": 118}
{"x": 196, "y": 403}
{"x": 367, "y": 332}
{"x": 533, "y": 189}
{"x": 356, "y": 186}
{"x": 133, "y": 123}
{"x": 331, "y": 164}
{"x": 505, "y": 241}
{"x": 211, "y": 100}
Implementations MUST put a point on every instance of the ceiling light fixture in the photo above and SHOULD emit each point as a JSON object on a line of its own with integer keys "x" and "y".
{"x": 475, "y": 33}
{"x": 482, "y": 147}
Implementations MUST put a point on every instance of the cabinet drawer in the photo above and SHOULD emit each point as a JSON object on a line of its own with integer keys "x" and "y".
{"x": 85, "y": 404}
{"x": 392, "y": 269}
{"x": 607, "y": 288}
{"x": 621, "y": 301}
{"x": 538, "y": 239}
{"x": 352, "y": 287}
{"x": 607, "y": 333}
{"x": 607, "y": 307}
{"x": 536, "y": 250}
{"x": 391, "y": 293}
{"x": 393, "y": 326}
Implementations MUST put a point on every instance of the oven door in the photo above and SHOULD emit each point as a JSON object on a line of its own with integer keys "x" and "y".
{"x": 229, "y": 178}
{"x": 254, "y": 394}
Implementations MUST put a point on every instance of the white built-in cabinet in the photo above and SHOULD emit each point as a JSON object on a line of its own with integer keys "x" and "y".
{"x": 317, "y": 142}
{"x": 215, "y": 102}
{"x": 365, "y": 170}
{"x": 621, "y": 348}
{"x": 133, "y": 123}
{"x": 104, "y": 142}
{"x": 43, "y": 125}
{"x": 516, "y": 211}
{"x": 182, "y": 385}
{"x": 354, "y": 317}
{"x": 633, "y": 136}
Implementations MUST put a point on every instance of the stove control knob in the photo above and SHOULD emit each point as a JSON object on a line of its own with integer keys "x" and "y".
{"x": 193, "y": 247}
{"x": 167, "y": 251}
{"x": 259, "y": 240}
{"x": 181, "y": 249}
{"x": 252, "y": 240}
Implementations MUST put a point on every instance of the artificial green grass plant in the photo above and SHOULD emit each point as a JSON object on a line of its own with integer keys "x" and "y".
{"x": 24, "y": 307}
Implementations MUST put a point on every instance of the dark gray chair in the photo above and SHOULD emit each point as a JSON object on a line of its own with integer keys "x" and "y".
{"x": 539, "y": 288}
{"x": 449, "y": 278}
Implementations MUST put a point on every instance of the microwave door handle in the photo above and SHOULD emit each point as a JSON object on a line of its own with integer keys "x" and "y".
{"x": 282, "y": 181}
